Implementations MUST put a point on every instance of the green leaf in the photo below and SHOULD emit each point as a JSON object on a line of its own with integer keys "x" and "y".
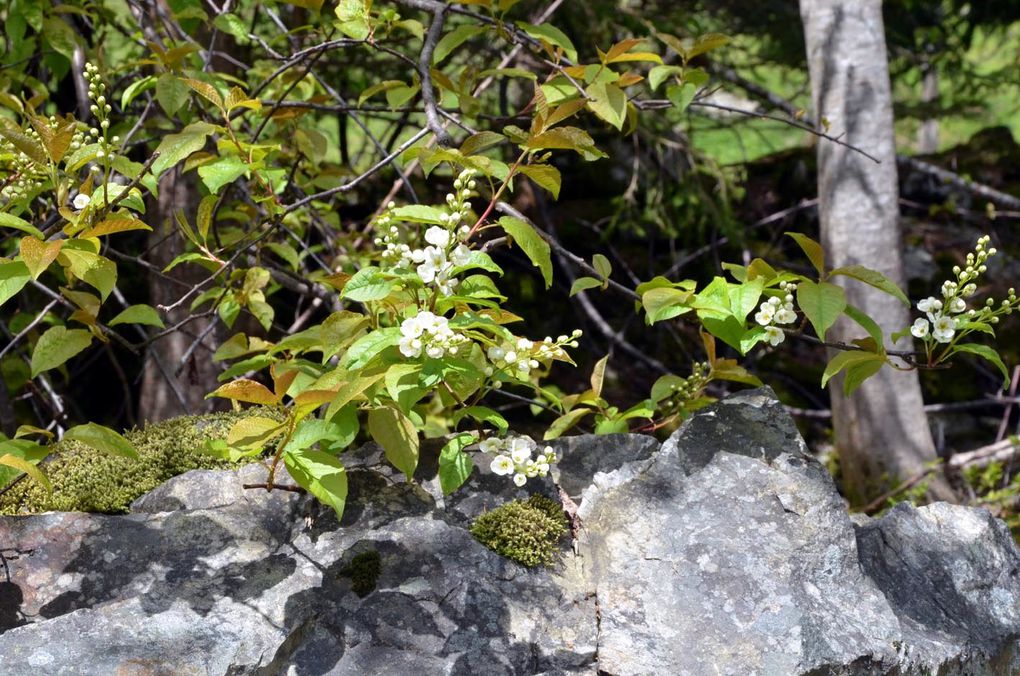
{"x": 531, "y": 243}
{"x": 848, "y": 358}
{"x": 222, "y": 171}
{"x": 392, "y": 430}
{"x": 658, "y": 74}
{"x": 102, "y": 439}
{"x": 454, "y": 464}
{"x": 12, "y": 221}
{"x": 369, "y": 346}
{"x": 367, "y": 284}
{"x": 252, "y": 434}
{"x": 550, "y": 35}
{"x": 402, "y": 385}
{"x": 171, "y": 92}
{"x": 138, "y": 314}
{"x": 27, "y": 450}
{"x": 812, "y": 249}
{"x": 744, "y": 297}
{"x": 482, "y": 414}
{"x": 608, "y": 102}
{"x": 56, "y": 346}
{"x": 29, "y": 468}
{"x": 476, "y": 143}
{"x": 60, "y": 36}
{"x": 873, "y": 278}
{"x": 858, "y": 372}
{"x": 565, "y": 138}
{"x": 565, "y": 422}
{"x": 583, "y": 284}
{"x": 545, "y": 175}
{"x": 95, "y": 270}
{"x": 13, "y": 278}
{"x": 455, "y": 39}
{"x": 135, "y": 88}
{"x": 869, "y": 324}
{"x": 321, "y": 474}
{"x": 602, "y": 266}
{"x": 174, "y": 148}
{"x": 353, "y": 16}
{"x": 662, "y": 303}
{"x": 822, "y": 303}
{"x": 681, "y": 95}
{"x": 232, "y": 24}
{"x": 988, "y": 354}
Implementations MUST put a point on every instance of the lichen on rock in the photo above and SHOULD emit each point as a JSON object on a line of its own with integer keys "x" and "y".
{"x": 87, "y": 480}
{"x": 525, "y": 531}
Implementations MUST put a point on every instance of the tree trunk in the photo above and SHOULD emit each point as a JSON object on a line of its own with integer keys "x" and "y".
{"x": 178, "y": 374}
{"x": 882, "y": 435}
{"x": 928, "y": 132}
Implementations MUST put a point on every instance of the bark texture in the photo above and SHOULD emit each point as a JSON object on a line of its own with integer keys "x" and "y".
{"x": 881, "y": 431}
{"x": 177, "y": 375}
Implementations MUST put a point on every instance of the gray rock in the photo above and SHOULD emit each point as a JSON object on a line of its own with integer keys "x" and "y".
{"x": 727, "y": 551}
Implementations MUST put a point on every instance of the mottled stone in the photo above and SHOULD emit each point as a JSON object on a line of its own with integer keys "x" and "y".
{"x": 726, "y": 551}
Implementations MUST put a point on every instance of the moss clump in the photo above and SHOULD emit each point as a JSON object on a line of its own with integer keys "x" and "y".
{"x": 364, "y": 570}
{"x": 526, "y": 531}
{"x": 87, "y": 480}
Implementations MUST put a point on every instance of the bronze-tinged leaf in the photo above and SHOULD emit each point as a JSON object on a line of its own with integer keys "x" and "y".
{"x": 38, "y": 254}
{"x": 246, "y": 390}
{"x": 206, "y": 90}
{"x": 113, "y": 225}
{"x": 24, "y": 143}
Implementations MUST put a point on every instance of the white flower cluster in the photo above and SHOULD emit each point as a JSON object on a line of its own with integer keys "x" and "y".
{"x": 445, "y": 248}
{"x": 945, "y": 316}
{"x": 429, "y": 333}
{"x": 514, "y": 457}
{"x": 776, "y": 311}
{"x": 521, "y": 357}
{"x": 100, "y": 108}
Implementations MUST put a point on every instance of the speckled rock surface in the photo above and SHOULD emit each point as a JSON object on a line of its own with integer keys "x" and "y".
{"x": 726, "y": 551}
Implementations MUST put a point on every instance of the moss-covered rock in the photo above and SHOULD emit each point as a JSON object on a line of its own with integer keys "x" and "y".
{"x": 87, "y": 480}
{"x": 525, "y": 531}
{"x": 363, "y": 570}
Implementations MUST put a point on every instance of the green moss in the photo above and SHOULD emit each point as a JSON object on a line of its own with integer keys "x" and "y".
{"x": 364, "y": 570}
{"x": 87, "y": 480}
{"x": 525, "y": 531}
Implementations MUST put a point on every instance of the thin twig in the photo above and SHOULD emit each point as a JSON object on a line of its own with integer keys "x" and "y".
{"x": 428, "y": 93}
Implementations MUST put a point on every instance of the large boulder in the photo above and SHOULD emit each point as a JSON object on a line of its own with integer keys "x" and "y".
{"x": 726, "y": 550}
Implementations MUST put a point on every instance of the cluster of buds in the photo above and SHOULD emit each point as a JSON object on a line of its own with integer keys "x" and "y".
{"x": 521, "y": 357}
{"x": 689, "y": 388}
{"x": 25, "y": 176}
{"x": 514, "y": 458}
{"x": 101, "y": 109}
{"x": 463, "y": 189}
{"x": 430, "y": 334}
{"x": 776, "y": 311}
{"x": 948, "y": 316}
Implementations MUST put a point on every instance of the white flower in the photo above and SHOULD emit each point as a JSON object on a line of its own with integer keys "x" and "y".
{"x": 461, "y": 255}
{"x": 774, "y": 336}
{"x": 520, "y": 450}
{"x": 944, "y": 328}
{"x": 765, "y": 315}
{"x": 920, "y": 328}
{"x": 490, "y": 445}
{"x": 496, "y": 353}
{"x": 435, "y": 261}
{"x": 502, "y": 465}
{"x": 786, "y": 315}
{"x": 957, "y": 305}
{"x": 930, "y": 304}
{"x": 80, "y": 201}
{"x": 520, "y": 479}
{"x": 410, "y": 347}
{"x": 437, "y": 236}
{"x": 550, "y": 454}
{"x": 412, "y": 327}
{"x": 435, "y": 352}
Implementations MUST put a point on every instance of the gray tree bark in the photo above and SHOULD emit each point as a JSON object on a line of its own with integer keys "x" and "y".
{"x": 178, "y": 374}
{"x": 882, "y": 435}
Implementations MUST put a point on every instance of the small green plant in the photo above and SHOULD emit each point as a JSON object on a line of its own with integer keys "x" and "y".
{"x": 363, "y": 570}
{"x": 525, "y": 531}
